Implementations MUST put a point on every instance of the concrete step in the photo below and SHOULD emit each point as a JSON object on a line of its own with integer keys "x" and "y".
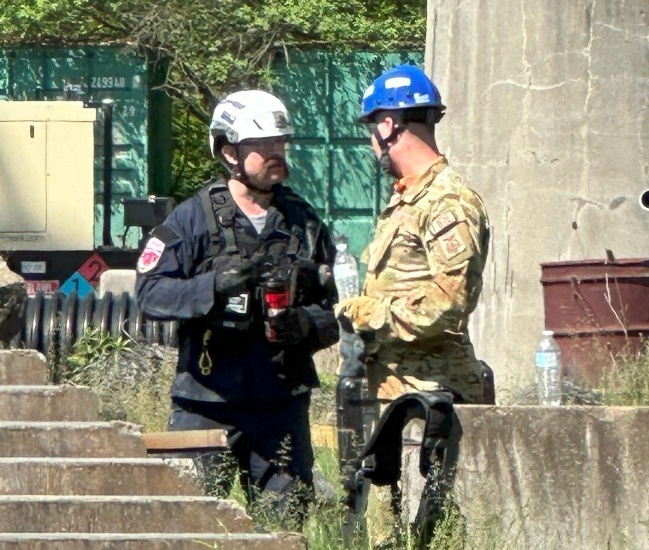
{"x": 92, "y": 476}
{"x": 24, "y": 366}
{"x": 71, "y": 439}
{"x": 151, "y": 541}
{"x": 121, "y": 514}
{"x": 48, "y": 403}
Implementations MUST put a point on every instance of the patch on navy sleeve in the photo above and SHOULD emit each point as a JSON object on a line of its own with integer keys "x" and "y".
{"x": 150, "y": 255}
{"x": 167, "y": 235}
{"x": 442, "y": 221}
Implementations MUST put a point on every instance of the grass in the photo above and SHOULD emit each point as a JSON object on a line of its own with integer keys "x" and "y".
{"x": 133, "y": 380}
{"x": 626, "y": 381}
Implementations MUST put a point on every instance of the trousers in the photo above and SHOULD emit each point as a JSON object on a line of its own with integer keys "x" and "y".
{"x": 269, "y": 444}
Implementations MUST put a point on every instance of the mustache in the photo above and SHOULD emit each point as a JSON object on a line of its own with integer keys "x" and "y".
{"x": 276, "y": 160}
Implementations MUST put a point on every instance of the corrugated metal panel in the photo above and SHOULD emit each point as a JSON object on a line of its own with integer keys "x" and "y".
{"x": 332, "y": 163}
{"x": 96, "y": 74}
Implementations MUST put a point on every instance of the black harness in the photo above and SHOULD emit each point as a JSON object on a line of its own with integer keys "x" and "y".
{"x": 220, "y": 210}
{"x": 385, "y": 446}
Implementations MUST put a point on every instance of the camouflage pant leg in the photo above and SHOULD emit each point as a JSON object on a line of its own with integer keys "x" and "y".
{"x": 404, "y": 370}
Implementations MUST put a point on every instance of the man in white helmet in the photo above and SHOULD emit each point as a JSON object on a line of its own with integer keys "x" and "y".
{"x": 244, "y": 265}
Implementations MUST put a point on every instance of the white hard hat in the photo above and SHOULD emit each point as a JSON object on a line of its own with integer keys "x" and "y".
{"x": 249, "y": 114}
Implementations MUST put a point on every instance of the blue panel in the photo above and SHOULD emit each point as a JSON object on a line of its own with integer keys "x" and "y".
{"x": 303, "y": 86}
{"x": 350, "y": 76}
{"x": 65, "y": 68}
{"x": 332, "y": 162}
{"x": 77, "y": 283}
{"x": 309, "y": 165}
{"x": 3, "y": 76}
{"x": 354, "y": 179}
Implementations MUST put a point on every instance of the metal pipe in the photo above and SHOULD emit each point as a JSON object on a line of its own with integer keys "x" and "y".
{"x": 55, "y": 323}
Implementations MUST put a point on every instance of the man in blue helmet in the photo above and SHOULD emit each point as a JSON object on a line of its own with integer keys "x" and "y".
{"x": 424, "y": 265}
{"x": 425, "y": 262}
{"x": 244, "y": 266}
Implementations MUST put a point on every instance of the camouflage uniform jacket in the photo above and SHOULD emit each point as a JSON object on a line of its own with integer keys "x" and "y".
{"x": 424, "y": 269}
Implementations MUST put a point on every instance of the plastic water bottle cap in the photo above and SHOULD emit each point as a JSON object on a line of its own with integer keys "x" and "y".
{"x": 548, "y": 333}
{"x": 341, "y": 247}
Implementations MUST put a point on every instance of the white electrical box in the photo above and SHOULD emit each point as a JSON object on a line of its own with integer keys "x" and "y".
{"x": 46, "y": 175}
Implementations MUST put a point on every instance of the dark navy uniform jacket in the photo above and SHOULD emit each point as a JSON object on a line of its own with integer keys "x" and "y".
{"x": 173, "y": 283}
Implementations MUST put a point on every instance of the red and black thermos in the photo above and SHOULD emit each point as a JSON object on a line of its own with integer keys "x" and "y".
{"x": 276, "y": 297}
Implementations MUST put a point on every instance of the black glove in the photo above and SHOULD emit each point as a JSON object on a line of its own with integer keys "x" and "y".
{"x": 345, "y": 324}
{"x": 291, "y": 326}
{"x": 237, "y": 279}
{"x": 311, "y": 281}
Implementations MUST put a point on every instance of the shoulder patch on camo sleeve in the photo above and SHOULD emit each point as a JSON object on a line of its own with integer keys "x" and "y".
{"x": 150, "y": 255}
{"x": 452, "y": 243}
{"x": 442, "y": 221}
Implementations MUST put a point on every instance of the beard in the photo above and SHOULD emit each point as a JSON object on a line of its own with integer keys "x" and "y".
{"x": 388, "y": 166}
{"x": 274, "y": 170}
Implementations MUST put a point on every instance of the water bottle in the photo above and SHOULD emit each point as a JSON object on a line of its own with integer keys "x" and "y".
{"x": 345, "y": 271}
{"x": 548, "y": 370}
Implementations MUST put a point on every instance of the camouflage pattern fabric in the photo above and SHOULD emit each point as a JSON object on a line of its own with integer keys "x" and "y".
{"x": 424, "y": 277}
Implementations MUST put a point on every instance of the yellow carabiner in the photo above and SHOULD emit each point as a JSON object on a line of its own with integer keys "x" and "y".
{"x": 205, "y": 361}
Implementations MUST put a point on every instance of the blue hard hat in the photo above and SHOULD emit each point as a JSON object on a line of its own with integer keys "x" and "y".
{"x": 402, "y": 87}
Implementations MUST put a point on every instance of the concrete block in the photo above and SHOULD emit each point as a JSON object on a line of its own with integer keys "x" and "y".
{"x": 121, "y": 514}
{"x": 117, "y": 281}
{"x": 91, "y": 476}
{"x": 550, "y": 477}
{"x": 528, "y": 88}
{"x": 70, "y": 439}
{"x": 151, "y": 541}
{"x": 22, "y": 367}
{"x": 48, "y": 403}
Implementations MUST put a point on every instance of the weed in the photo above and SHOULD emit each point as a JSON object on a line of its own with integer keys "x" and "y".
{"x": 92, "y": 345}
{"x": 626, "y": 382}
{"x": 132, "y": 380}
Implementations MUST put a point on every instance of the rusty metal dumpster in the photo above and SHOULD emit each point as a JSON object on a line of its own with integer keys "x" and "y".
{"x": 598, "y": 310}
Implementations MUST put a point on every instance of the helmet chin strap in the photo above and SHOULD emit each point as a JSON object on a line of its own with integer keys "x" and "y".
{"x": 384, "y": 143}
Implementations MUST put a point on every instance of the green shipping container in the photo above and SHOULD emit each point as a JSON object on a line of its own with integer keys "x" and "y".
{"x": 141, "y": 134}
{"x": 332, "y": 163}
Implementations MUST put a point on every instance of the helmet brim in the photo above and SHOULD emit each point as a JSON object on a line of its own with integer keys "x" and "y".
{"x": 368, "y": 118}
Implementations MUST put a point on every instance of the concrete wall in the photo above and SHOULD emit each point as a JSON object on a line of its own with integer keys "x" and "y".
{"x": 550, "y": 478}
{"x": 548, "y": 118}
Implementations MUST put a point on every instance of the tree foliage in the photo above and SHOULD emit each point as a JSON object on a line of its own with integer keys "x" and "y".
{"x": 211, "y": 47}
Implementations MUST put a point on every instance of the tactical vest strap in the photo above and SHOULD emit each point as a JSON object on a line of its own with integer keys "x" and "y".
{"x": 219, "y": 208}
{"x": 313, "y": 228}
{"x": 385, "y": 445}
{"x": 294, "y": 242}
{"x": 218, "y": 205}
{"x": 301, "y": 219}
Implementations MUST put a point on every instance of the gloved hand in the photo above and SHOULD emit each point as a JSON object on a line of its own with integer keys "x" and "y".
{"x": 237, "y": 279}
{"x": 310, "y": 281}
{"x": 364, "y": 313}
{"x": 291, "y": 326}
